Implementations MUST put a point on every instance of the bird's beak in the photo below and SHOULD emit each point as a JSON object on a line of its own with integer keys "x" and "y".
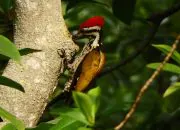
{"x": 77, "y": 35}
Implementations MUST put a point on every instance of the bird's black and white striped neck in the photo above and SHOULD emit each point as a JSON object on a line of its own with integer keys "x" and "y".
{"x": 94, "y": 32}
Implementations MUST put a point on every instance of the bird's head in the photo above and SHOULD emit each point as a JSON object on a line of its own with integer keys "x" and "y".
{"x": 92, "y": 24}
{"x": 91, "y": 28}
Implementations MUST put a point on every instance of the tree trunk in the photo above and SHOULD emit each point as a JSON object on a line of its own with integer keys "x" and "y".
{"x": 39, "y": 25}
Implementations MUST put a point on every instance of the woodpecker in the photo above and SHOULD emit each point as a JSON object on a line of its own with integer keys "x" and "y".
{"x": 88, "y": 63}
{"x": 94, "y": 60}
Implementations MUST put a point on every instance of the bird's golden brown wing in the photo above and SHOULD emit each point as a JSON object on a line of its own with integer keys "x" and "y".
{"x": 91, "y": 66}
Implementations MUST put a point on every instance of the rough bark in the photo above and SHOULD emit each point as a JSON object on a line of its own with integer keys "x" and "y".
{"x": 39, "y": 25}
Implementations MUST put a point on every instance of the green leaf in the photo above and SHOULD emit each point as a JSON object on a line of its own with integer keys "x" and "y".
{"x": 171, "y": 96}
{"x": 6, "y": 5}
{"x": 85, "y": 103}
{"x": 16, "y": 122}
{"x": 73, "y": 113}
{"x": 54, "y": 121}
{"x": 10, "y": 83}
{"x": 42, "y": 126}
{"x": 124, "y": 10}
{"x": 67, "y": 123}
{"x": 8, "y": 49}
{"x": 84, "y": 128}
{"x": 94, "y": 95}
{"x": 172, "y": 89}
{"x": 165, "y": 49}
{"x": 22, "y": 52}
{"x": 9, "y": 126}
{"x": 167, "y": 67}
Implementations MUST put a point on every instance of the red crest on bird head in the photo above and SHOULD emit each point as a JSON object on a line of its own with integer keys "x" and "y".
{"x": 93, "y": 21}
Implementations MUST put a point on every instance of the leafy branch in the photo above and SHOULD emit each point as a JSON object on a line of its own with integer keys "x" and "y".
{"x": 155, "y": 19}
{"x": 147, "y": 84}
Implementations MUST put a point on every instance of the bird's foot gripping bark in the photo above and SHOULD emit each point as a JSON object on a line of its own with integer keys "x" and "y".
{"x": 73, "y": 67}
{"x": 67, "y": 55}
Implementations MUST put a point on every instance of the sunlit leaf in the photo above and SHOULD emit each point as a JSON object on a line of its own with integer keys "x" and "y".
{"x": 94, "y": 94}
{"x": 9, "y": 126}
{"x": 8, "y": 49}
{"x": 8, "y": 116}
{"x": 84, "y": 128}
{"x": 73, "y": 113}
{"x": 167, "y": 67}
{"x": 171, "y": 96}
{"x": 172, "y": 89}
{"x": 165, "y": 49}
{"x": 10, "y": 83}
{"x": 67, "y": 123}
{"x": 84, "y": 102}
{"x": 42, "y": 126}
{"x": 24, "y": 51}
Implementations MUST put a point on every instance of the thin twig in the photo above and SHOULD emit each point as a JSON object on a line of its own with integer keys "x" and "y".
{"x": 155, "y": 19}
{"x": 146, "y": 85}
